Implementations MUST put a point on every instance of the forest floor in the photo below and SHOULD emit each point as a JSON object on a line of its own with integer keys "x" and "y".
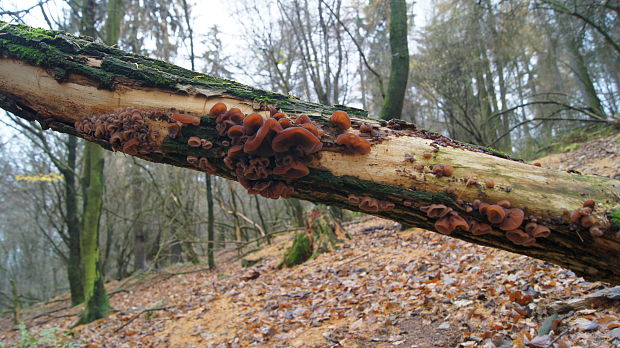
{"x": 382, "y": 288}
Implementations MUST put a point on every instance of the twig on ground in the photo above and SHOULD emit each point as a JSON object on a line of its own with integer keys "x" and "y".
{"x": 140, "y": 313}
{"x": 50, "y": 312}
{"x": 557, "y": 338}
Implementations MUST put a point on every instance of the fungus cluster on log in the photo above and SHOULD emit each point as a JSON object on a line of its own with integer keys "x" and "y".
{"x": 266, "y": 154}
{"x": 583, "y": 217}
{"x": 365, "y": 128}
{"x": 442, "y": 170}
{"x": 127, "y": 130}
{"x": 447, "y": 219}
{"x": 499, "y": 215}
{"x": 353, "y": 143}
{"x": 369, "y": 204}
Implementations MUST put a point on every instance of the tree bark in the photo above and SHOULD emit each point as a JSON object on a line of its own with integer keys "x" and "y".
{"x": 92, "y": 277}
{"x": 399, "y": 71}
{"x": 59, "y": 79}
{"x": 139, "y": 233}
{"x": 210, "y": 224}
{"x": 74, "y": 264}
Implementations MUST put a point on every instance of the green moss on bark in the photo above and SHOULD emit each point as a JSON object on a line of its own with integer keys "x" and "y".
{"x": 53, "y": 50}
{"x": 614, "y": 217}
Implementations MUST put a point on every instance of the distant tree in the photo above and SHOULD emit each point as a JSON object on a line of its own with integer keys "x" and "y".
{"x": 399, "y": 72}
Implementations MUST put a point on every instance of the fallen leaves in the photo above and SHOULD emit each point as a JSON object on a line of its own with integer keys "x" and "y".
{"x": 384, "y": 288}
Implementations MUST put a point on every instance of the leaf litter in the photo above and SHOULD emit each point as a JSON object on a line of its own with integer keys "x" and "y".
{"x": 387, "y": 288}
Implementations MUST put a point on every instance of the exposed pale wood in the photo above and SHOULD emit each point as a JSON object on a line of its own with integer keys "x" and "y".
{"x": 80, "y": 96}
{"x": 543, "y": 191}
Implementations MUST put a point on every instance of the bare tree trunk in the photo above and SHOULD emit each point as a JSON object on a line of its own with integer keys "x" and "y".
{"x": 399, "y": 174}
{"x": 399, "y": 71}
{"x": 210, "y": 224}
{"x": 239, "y": 237}
{"x": 262, "y": 221}
{"x": 139, "y": 235}
{"x": 73, "y": 224}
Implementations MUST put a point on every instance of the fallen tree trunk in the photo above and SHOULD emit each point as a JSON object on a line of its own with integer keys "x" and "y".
{"x": 74, "y": 85}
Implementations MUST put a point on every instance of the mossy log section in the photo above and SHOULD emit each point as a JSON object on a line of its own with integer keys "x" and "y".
{"x": 56, "y": 79}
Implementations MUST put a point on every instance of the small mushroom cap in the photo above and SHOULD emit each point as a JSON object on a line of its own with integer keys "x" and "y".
{"x": 366, "y": 128}
{"x": 537, "y": 231}
{"x": 354, "y": 144}
{"x": 587, "y": 221}
{"x": 369, "y": 204}
{"x": 385, "y": 205}
{"x": 490, "y": 183}
{"x": 193, "y": 160}
{"x": 205, "y": 165}
{"x": 235, "y": 132}
{"x": 458, "y": 221}
{"x": 187, "y": 119}
{"x": 206, "y": 144}
{"x": 131, "y": 146}
{"x": 236, "y": 117}
{"x": 471, "y": 182}
{"x": 589, "y": 203}
{"x": 280, "y": 189}
{"x": 495, "y": 213}
{"x": 194, "y": 142}
{"x": 312, "y": 129}
{"x": 222, "y": 127}
{"x": 575, "y": 216}
{"x": 254, "y": 171}
{"x": 302, "y": 119}
{"x": 450, "y": 222}
{"x": 271, "y": 189}
{"x": 519, "y": 237}
{"x": 261, "y": 142}
{"x": 596, "y": 232}
{"x": 235, "y": 151}
{"x": 448, "y": 170}
{"x": 116, "y": 139}
{"x": 504, "y": 204}
{"x": 295, "y": 170}
{"x": 173, "y": 130}
{"x": 513, "y": 220}
{"x": 279, "y": 116}
{"x": 443, "y": 225}
{"x": 251, "y": 123}
{"x": 340, "y": 120}
{"x": 582, "y": 217}
{"x": 285, "y": 122}
{"x": 436, "y": 211}
{"x": 353, "y": 199}
{"x": 296, "y": 138}
{"x": 217, "y": 109}
{"x": 479, "y": 228}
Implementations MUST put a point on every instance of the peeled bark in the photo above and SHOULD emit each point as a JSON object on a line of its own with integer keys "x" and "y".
{"x": 59, "y": 79}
